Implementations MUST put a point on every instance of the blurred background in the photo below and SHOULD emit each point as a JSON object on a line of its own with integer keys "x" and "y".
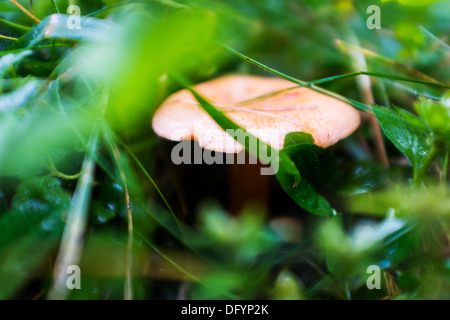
{"x": 85, "y": 181}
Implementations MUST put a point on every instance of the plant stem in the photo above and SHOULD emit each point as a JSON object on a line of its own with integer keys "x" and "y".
{"x": 141, "y": 166}
{"x": 128, "y": 289}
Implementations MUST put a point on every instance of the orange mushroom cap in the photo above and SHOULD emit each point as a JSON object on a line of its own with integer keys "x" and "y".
{"x": 327, "y": 119}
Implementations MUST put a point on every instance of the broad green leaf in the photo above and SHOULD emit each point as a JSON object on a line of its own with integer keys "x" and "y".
{"x": 411, "y": 118}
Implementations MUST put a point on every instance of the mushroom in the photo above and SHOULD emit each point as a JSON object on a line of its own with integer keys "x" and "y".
{"x": 266, "y": 107}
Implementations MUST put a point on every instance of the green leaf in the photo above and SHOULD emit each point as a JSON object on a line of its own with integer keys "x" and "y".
{"x": 293, "y": 138}
{"x": 410, "y": 140}
{"x": 411, "y": 118}
{"x": 318, "y": 167}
